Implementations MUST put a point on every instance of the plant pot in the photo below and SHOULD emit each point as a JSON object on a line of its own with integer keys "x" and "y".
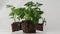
{"x": 28, "y": 26}
{"x": 40, "y": 27}
{"x": 16, "y": 26}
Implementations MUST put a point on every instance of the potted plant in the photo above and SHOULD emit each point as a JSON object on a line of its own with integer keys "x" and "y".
{"x": 31, "y": 13}
{"x": 15, "y": 25}
{"x": 20, "y": 15}
{"x": 40, "y": 25}
{"x": 32, "y": 16}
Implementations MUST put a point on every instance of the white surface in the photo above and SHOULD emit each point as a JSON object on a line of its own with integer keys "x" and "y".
{"x": 50, "y": 7}
{"x": 38, "y": 32}
{"x": 21, "y": 32}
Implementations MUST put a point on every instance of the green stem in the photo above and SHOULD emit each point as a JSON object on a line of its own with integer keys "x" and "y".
{"x": 14, "y": 18}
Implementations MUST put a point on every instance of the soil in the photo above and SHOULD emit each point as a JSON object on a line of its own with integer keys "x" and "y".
{"x": 16, "y": 26}
{"x": 40, "y": 27}
{"x": 28, "y": 26}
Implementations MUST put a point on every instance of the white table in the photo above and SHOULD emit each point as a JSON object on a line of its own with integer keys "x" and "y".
{"x": 38, "y": 32}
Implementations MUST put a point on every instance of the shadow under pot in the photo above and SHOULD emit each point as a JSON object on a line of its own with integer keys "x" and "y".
{"x": 28, "y": 26}
{"x": 16, "y": 26}
{"x": 40, "y": 26}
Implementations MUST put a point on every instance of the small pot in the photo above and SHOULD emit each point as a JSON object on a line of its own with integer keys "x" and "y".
{"x": 40, "y": 26}
{"x": 16, "y": 26}
{"x": 28, "y": 26}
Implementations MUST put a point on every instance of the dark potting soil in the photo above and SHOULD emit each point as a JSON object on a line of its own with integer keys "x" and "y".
{"x": 40, "y": 27}
{"x": 28, "y": 27}
{"x": 16, "y": 26}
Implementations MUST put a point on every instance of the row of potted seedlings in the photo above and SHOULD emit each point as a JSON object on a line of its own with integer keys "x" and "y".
{"x": 31, "y": 14}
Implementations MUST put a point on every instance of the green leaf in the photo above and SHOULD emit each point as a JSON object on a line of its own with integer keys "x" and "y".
{"x": 38, "y": 4}
{"x": 8, "y": 6}
{"x": 18, "y": 18}
{"x": 29, "y": 4}
{"x": 11, "y": 14}
{"x": 12, "y": 17}
{"x": 41, "y": 12}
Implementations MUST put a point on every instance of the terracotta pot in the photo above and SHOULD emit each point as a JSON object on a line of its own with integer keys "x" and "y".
{"x": 40, "y": 27}
{"x": 28, "y": 26}
{"x": 16, "y": 26}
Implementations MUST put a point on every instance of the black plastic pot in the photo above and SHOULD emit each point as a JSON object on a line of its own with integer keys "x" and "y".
{"x": 28, "y": 26}
{"x": 40, "y": 27}
{"x": 16, "y": 26}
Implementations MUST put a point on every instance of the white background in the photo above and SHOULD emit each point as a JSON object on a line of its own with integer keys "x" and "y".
{"x": 50, "y": 7}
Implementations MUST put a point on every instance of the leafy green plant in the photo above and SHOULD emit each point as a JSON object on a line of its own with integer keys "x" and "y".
{"x": 13, "y": 13}
{"x": 16, "y": 13}
{"x": 44, "y": 21}
{"x": 30, "y": 12}
{"x": 20, "y": 13}
{"x": 33, "y": 13}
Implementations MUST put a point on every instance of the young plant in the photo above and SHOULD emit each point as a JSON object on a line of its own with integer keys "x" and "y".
{"x": 33, "y": 14}
{"x": 16, "y": 13}
{"x": 13, "y": 13}
{"x": 37, "y": 12}
{"x": 28, "y": 11}
{"x": 20, "y": 13}
{"x": 44, "y": 21}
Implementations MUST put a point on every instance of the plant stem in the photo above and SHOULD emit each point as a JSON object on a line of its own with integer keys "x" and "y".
{"x": 14, "y": 18}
